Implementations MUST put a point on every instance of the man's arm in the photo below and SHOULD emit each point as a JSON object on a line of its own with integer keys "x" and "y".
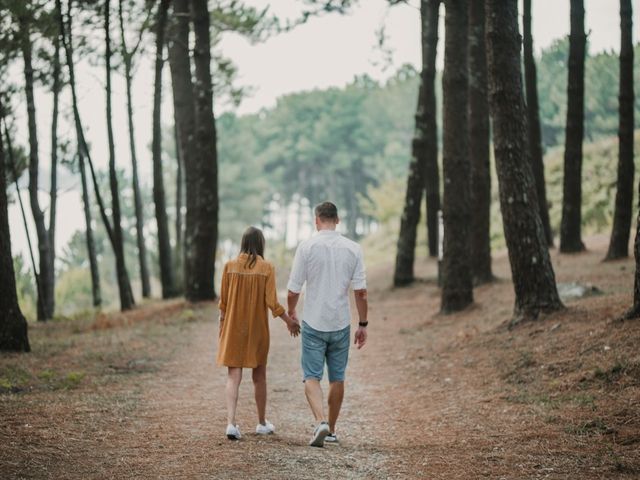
{"x": 362, "y": 305}
{"x": 292, "y": 302}
{"x": 296, "y": 280}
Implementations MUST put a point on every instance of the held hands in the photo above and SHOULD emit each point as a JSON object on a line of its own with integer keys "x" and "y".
{"x": 293, "y": 325}
{"x": 360, "y": 337}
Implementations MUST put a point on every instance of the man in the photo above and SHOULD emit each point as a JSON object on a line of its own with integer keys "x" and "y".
{"x": 329, "y": 264}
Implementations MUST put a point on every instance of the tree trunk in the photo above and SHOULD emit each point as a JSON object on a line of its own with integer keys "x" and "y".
{"x": 570, "y": 237}
{"x": 457, "y": 289}
{"x": 179, "y": 253}
{"x": 532, "y": 272}
{"x": 619, "y": 244}
{"x": 91, "y": 247}
{"x": 183, "y": 106}
{"x": 428, "y": 80}
{"x": 137, "y": 196}
{"x": 54, "y": 156}
{"x": 479, "y": 138}
{"x": 423, "y": 147}
{"x": 164, "y": 243}
{"x": 202, "y": 232}
{"x": 13, "y": 325}
{"x": 46, "y": 292}
{"x": 124, "y": 287}
{"x": 533, "y": 117}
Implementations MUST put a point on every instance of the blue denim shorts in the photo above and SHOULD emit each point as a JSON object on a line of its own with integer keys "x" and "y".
{"x": 318, "y": 347}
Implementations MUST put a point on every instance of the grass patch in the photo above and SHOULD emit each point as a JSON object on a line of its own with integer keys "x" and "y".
{"x": 592, "y": 427}
{"x": 616, "y": 372}
{"x": 13, "y": 378}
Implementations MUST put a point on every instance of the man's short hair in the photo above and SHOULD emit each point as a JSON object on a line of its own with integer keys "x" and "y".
{"x": 327, "y": 211}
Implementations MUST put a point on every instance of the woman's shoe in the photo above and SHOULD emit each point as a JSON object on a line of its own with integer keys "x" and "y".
{"x": 265, "y": 429}
{"x": 233, "y": 432}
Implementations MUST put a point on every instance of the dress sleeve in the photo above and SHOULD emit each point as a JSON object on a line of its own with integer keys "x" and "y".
{"x": 224, "y": 290}
{"x": 272, "y": 294}
{"x": 298, "y": 272}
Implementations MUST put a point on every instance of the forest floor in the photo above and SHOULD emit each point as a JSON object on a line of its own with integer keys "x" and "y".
{"x": 430, "y": 396}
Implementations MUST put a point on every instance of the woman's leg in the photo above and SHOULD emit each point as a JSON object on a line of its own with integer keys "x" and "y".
{"x": 260, "y": 386}
{"x": 233, "y": 385}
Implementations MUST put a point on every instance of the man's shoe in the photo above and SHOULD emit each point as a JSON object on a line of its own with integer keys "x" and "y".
{"x": 332, "y": 438}
{"x": 320, "y": 433}
{"x": 233, "y": 432}
{"x": 265, "y": 429}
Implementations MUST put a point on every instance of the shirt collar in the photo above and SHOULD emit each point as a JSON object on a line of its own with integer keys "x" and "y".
{"x": 327, "y": 232}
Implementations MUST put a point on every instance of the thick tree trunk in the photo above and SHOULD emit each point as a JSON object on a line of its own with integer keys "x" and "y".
{"x": 46, "y": 292}
{"x": 202, "y": 233}
{"x": 183, "y": 106}
{"x": 479, "y": 138}
{"x": 13, "y": 325}
{"x": 532, "y": 272}
{"x": 164, "y": 243}
{"x": 124, "y": 287}
{"x": 424, "y": 153}
{"x": 570, "y": 236}
{"x": 457, "y": 289}
{"x": 91, "y": 247}
{"x": 137, "y": 196}
{"x": 533, "y": 117}
{"x": 619, "y": 244}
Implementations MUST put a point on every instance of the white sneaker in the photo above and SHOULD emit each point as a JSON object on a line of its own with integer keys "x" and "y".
{"x": 233, "y": 432}
{"x": 265, "y": 429}
{"x": 320, "y": 433}
{"x": 332, "y": 438}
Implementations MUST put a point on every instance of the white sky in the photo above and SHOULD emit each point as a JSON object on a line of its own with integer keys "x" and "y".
{"x": 327, "y": 51}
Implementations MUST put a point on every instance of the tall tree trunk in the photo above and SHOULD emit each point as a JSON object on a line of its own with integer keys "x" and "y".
{"x": 457, "y": 289}
{"x": 53, "y": 206}
{"x": 619, "y": 244}
{"x": 532, "y": 272}
{"x": 124, "y": 287}
{"x": 91, "y": 246}
{"x": 480, "y": 249}
{"x": 179, "y": 253}
{"x": 533, "y": 117}
{"x": 13, "y": 325}
{"x": 428, "y": 80}
{"x": 46, "y": 292}
{"x": 82, "y": 142}
{"x": 423, "y": 147}
{"x": 164, "y": 243}
{"x": 183, "y": 106}
{"x": 202, "y": 233}
{"x": 570, "y": 227}
{"x": 137, "y": 196}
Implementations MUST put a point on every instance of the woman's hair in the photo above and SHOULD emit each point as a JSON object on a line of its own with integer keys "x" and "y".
{"x": 253, "y": 245}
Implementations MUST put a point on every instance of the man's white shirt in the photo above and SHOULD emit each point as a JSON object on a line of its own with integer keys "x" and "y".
{"x": 329, "y": 264}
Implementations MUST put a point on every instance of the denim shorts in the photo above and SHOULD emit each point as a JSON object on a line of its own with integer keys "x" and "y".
{"x": 319, "y": 346}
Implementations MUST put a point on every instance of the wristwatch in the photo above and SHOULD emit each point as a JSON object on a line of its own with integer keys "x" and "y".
{"x": 363, "y": 324}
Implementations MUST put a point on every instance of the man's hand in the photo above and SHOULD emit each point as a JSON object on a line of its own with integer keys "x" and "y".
{"x": 361, "y": 337}
{"x": 294, "y": 327}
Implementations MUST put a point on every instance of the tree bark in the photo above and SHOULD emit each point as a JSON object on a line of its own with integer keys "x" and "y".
{"x": 479, "y": 138}
{"x": 457, "y": 289}
{"x": 619, "y": 244}
{"x": 164, "y": 243}
{"x": 533, "y": 118}
{"x": 570, "y": 236}
{"x": 532, "y": 272}
{"x": 179, "y": 253}
{"x": 91, "y": 246}
{"x": 424, "y": 152}
{"x": 46, "y": 302}
{"x": 124, "y": 287}
{"x": 53, "y": 206}
{"x": 137, "y": 196}
{"x": 13, "y": 325}
{"x": 202, "y": 232}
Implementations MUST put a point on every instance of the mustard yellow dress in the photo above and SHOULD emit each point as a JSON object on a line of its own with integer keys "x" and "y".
{"x": 245, "y": 296}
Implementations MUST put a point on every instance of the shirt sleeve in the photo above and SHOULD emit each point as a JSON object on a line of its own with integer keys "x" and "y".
{"x": 224, "y": 290}
{"x": 298, "y": 272}
{"x": 359, "y": 279}
{"x": 272, "y": 294}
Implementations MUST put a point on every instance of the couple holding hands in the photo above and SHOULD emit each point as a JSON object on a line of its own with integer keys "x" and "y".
{"x": 330, "y": 265}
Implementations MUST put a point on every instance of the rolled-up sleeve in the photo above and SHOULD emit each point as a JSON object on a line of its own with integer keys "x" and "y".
{"x": 272, "y": 294}
{"x": 298, "y": 272}
{"x": 359, "y": 279}
{"x": 224, "y": 290}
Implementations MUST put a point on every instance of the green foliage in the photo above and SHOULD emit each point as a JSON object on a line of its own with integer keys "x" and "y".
{"x": 25, "y": 288}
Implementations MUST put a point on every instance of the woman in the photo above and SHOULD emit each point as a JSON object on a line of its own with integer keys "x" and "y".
{"x": 248, "y": 289}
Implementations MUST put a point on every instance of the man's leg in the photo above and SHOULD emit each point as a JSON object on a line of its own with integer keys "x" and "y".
{"x": 260, "y": 388}
{"x": 336, "y": 394}
{"x": 313, "y": 391}
{"x": 233, "y": 384}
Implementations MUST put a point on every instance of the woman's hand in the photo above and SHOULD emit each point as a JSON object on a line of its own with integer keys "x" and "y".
{"x": 292, "y": 324}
